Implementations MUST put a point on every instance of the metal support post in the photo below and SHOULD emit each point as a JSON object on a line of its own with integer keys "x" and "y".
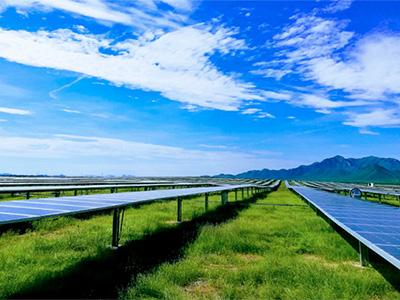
{"x": 87, "y": 192}
{"x": 57, "y": 194}
{"x": 206, "y": 201}
{"x": 116, "y": 227}
{"x": 116, "y": 190}
{"x": 364, "y": 255}
{"x": 247, "y": 191}
{"x": 243, "y": 194}
{"x": 179, "y": 214}
{"x": 27, "y": 195}
{"x": 236, "y": 196}
{"x": 75, "y": 192}
{"x": 224, "y": 197}
{"x": 379, "y": 195}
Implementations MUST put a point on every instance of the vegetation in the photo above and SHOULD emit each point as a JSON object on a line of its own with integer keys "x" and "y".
{"x": 273, "y": 248}
{"x": 70, "y": 257}
{"x": 269, "y": 251}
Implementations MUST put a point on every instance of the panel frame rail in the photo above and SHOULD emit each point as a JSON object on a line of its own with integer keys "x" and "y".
{"x": 19, "y": 211}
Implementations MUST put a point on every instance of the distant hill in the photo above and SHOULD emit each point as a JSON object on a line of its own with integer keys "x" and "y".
{"x": 337, "y": 168}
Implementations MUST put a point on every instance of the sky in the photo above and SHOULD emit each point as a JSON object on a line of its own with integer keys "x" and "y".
{"x": 182, "y": 87}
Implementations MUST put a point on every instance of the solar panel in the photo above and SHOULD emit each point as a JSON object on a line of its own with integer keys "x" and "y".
{"x": 374, "y": 225}
{"x": 26, "y": 210}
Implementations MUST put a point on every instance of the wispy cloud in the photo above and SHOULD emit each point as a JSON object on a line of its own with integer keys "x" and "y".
{"x": 133, "y": 157}
{"x": 14, "y": 111}
{"x": 379, "y": 117}
{"x": 366, "y": 131}
{"x": 327, "y": 57}
{"x": 53, "y": 95}
{"x": 213, "y": 146}
{"x": 250, "y": 111}
{"x": 72, "y": 111}
{"x": 177, "y": 64}
{"x": 141, "y": 14}
{"x": 262, "y": 115}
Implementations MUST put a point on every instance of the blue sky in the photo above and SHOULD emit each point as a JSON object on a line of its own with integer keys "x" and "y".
{"x": 181, "y": 87}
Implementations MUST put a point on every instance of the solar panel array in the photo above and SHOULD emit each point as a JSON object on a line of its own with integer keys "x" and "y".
{"x": 24, "y": 210}
{"x": 374, "y": 225}
{"x": 28, "y": 189}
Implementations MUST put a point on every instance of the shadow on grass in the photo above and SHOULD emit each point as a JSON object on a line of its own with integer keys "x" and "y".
{"x": 111, "y": 271}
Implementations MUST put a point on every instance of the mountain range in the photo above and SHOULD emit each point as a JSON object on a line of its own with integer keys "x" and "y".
{"x": 337, "y": 168}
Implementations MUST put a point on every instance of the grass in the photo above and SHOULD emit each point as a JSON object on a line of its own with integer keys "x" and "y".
{"x": 237, "y": 251}
{"x": 70, "y": 257}
{"x": 268, "y": 251}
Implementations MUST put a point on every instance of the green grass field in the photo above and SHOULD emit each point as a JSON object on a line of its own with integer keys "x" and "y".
{"x": 268, "y": 252}
{"x": 240, "y": 251}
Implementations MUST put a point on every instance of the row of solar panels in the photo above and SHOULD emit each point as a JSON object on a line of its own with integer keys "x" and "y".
{"x": 24, "y": 210}
{"x": 374, "y": 226}
{"x": 27, "y": 189}
{"x": 342, "y": 187}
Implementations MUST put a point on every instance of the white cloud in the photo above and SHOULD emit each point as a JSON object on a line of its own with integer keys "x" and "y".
{"x": 274, "y": 73}
{"x": 213, "y": 146}
{"x": 53, "y": 95}
{"x": 140, "y": 14}
{"x": 338, "y": 5}
{"x": 129, "y": 157}
{"x": 276, "y": 96}
{"x": 366, "y": 69}
{"x": 250, "y": 111}
{"x": 323, "y": 105}
{"x": 372, "y": 70}
{"x": 14, "y": 111}
{"x": 72, "y": 111}
{"x": 81, "y": 28}
{"x": 311, "y": 37}
{"x": 176, "y": 64}
{"x": 365, "y": 131}
{"x": 265, "y": 115}
{"x": 379, "y": 117}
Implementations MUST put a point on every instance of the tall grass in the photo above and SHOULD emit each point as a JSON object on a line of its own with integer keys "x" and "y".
{"x": 268, "y": 252}
{"x": 44, "y": 261}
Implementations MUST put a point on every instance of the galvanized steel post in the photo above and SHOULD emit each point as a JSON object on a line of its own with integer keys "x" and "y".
{"x": 179, "y": 214}
{"x": 364, "y": 254}
{"x": 224, "y": 197}
{"x": 116, "y": 228}
{"x": 206, "y": 201}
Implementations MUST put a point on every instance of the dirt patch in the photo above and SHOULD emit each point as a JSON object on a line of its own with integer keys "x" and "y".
{"x": 174, "y": 221}
{"x": 331, "y": 264}
{"x": 250, "y": 257}
{"x": 203, "y": 288}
